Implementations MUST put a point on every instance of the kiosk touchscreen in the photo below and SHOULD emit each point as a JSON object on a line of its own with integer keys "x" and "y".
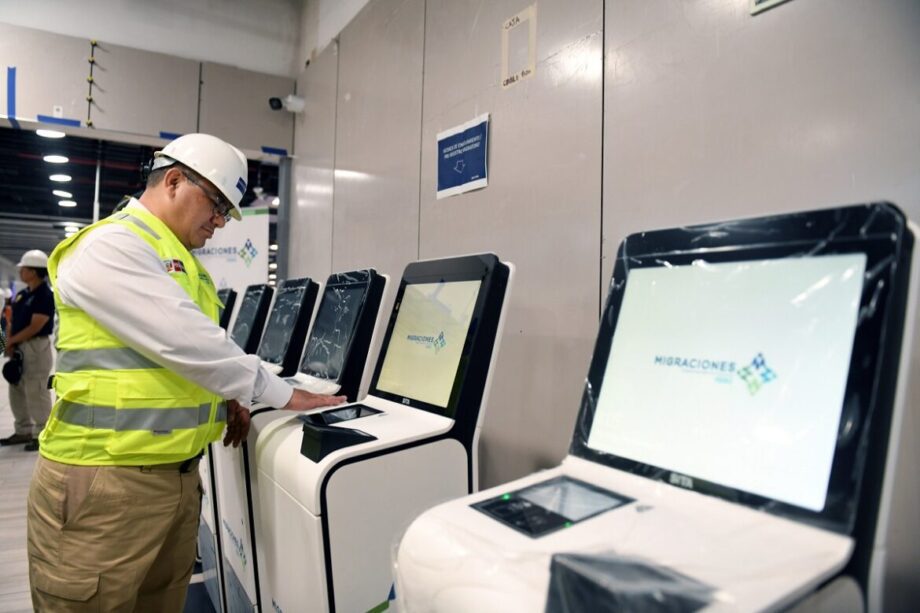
{"x": 286, "y": 329}
{"x": 335, "y": 358}
{"x": 228, "y": 299}
{"x": 732, "y": 450}
{"x": 338, "y": 350}
{"x": 250, "y": 319}
{"x": 336, "y": 485}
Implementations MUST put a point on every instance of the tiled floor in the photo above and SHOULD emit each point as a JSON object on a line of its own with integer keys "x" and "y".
{"x": 15, "y": 473}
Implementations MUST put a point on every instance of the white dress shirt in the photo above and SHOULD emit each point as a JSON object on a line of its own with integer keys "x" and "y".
{"x": 118, "y": 280}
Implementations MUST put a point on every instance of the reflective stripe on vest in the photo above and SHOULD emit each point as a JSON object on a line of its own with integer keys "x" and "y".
{"x": 119, "y": 358}
{"x": 116, "y": 406}
{"x": 157, "y": 421}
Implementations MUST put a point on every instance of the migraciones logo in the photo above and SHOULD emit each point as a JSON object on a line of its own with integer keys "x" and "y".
{"x": 432, "y": 342}
{"x": 248, "y": 253}
{"x": 757, "y": 374}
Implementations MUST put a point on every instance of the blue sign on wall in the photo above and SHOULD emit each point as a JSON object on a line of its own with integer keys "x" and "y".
{"x": 463, "y": 157}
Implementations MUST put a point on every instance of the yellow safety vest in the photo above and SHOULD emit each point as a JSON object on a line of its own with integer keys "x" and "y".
{"x": 116, "y": 407}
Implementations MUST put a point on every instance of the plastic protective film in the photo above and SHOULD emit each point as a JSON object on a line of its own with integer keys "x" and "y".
{"x": 335, "y": 323}
{"x": 754, "y": 360}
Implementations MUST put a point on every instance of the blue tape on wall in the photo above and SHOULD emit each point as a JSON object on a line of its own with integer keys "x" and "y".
{"x": 61, "y": 121}
{"x": 274, "y": 150}
{"x": 11, "y": 96}
{"x": 169, "y": 135}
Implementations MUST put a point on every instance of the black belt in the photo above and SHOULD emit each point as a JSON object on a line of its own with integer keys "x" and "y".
{"x": 185, "y": 466}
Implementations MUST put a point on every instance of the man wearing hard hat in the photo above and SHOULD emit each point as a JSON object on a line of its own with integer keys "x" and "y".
{"x": 30, "y": 330}
{"x": 145, "y": 379}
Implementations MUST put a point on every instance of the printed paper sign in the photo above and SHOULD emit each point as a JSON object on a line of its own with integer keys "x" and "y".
{"x": 462, "y": 157}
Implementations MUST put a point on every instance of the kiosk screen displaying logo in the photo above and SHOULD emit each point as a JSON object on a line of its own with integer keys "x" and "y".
{"x": 427, "y": 341}
{"x": 734, "y": 373}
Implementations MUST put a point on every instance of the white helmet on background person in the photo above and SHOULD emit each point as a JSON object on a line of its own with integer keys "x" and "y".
{"x": 34, "y": 258}
{"x": 214, "y": 159}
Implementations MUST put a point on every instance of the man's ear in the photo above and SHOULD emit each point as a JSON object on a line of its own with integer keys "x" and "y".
{"x": 171, "y": 181}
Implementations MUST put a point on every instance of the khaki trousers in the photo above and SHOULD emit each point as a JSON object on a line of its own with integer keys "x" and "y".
{"x": 111, "y": 538}
{"x": 30, "y": 400}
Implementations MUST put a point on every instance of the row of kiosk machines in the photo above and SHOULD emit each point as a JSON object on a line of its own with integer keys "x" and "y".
{"x": 747, "y": 438}
{"x": 302, "y": 516}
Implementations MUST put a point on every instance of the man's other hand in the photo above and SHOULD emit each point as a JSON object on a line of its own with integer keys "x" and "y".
{"x": 304, "y": 401}
{"x": 237, "y": 424}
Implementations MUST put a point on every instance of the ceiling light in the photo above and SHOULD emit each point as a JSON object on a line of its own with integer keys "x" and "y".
{"x": 272, "y": 266}
{"x": 50, "y": 133}
{"x": 67, "y": 203}
{"x": 273, "y": 247}
{"x": 276, "y": 201}
{"x": 60, "y": 178}
{"x": 56, "y": 159}
{"x": 272, "y": 275}
{"x": 62, "y": 194}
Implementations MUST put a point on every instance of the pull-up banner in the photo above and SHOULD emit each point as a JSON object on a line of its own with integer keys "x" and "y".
{"x": 462, "y": 157}
{"x": 237, "y": 255}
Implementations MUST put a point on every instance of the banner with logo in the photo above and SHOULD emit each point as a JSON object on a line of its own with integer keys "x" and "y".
{"x": 237, "y": 255}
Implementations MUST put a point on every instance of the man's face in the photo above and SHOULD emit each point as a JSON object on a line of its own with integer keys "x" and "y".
{"x": 198, "y": 217}
{"x": 26, "y": 274}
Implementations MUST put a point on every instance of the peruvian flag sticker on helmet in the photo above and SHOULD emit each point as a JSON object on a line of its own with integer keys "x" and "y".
{"x": 241, "y": 185}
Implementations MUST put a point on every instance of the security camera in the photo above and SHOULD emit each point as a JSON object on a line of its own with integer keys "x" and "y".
{"x": 290, "y": 103}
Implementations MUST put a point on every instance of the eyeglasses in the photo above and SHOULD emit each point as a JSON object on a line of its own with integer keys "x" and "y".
{"x": 220, "y": 205}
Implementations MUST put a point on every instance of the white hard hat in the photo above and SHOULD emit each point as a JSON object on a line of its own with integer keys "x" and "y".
{"x": 34, "y": 258}
{"x": 217, "y": 161}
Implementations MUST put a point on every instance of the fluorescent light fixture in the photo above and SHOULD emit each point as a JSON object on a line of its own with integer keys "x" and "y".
{"x": 272, "y": 275}
{"x": 276, "y": 201}
{"x": 273, "y": 247}
{"x": 67, "y": 204}
{"x": 56, "y": 159}
{"x": 50, "y": 133}
{"x": 62, "y": 194}
{"x": 273, "y": 266}
{"x": 60, "y": 178}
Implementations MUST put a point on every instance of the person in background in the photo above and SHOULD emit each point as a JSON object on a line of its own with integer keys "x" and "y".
{"x": 145, "y": 379}
{"x": 29, "y": 328}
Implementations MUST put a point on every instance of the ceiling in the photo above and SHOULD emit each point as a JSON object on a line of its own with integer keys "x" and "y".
{"x": 30, "y": 216}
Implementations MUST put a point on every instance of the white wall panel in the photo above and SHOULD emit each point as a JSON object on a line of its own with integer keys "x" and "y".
{"x": 378, "y": 122}
{"x": 310, "y": 236}
{"x": 51, "y": 71}
{"x": 541, "y": 209}
{"x": 142, "y": 92}
{"x": 234, "y": 106}
{"x": 711, "y": 113}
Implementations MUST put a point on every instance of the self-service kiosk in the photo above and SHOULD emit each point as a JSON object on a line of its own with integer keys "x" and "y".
{"x": 747, "y": 438}
{"x": 337, "y": 347}
{"x": 227, "y": 298}
{"x": 338, "y": 351}
{"x": 246, "y": 332}
{"x": 247, "y": 327}
{"x": 286, "y": 329}
{"x": 208, "y": 546}
{"x": 279, "y": 349}
{"x": 336, "y": 485}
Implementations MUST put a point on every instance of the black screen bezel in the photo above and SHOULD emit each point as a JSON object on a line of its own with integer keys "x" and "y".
{"x": 265, "y": 294}
{"x": 302, "y": 283}
{"x": 358, "y": 278}
{"x": 467, "y": 268}
{"x": 878, "y": 231}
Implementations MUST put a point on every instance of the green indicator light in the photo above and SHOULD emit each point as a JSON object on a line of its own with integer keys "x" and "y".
{"x": 568, "y": 524}
{"x": 506, "y": 496}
